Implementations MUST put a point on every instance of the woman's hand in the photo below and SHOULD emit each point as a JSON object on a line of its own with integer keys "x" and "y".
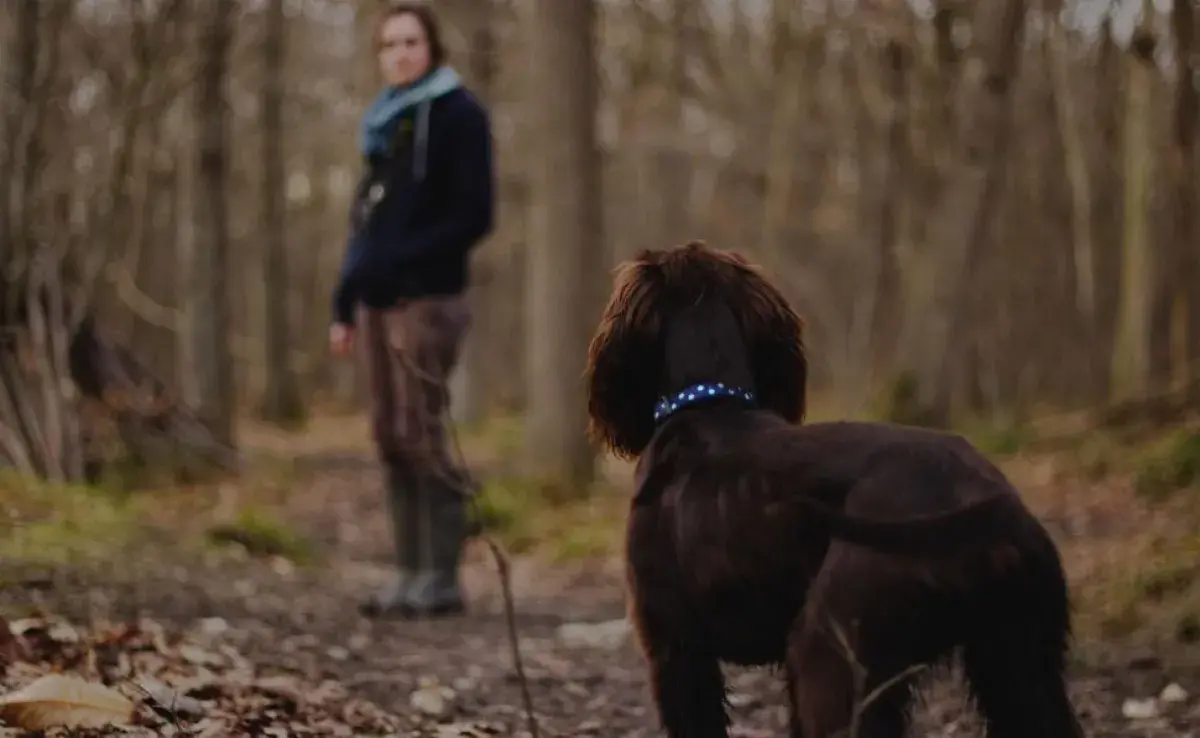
{"x": 341, "y": 339}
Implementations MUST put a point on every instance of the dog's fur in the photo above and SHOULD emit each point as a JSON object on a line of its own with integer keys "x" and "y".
{"x": 750, "y": 534}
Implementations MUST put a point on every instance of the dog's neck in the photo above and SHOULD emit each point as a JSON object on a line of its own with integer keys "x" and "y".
{"x": 705, "y": 360}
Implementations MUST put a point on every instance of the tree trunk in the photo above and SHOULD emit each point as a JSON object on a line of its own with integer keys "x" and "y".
{"x": 1132, "y": 348}
{"x": 282, "y": 403}
{"x": 672, "y": 159}
{"x": 565, "y": 246}
{"x": 471, "y": 386}
{"x": 1078, "y": 177}
{"x": 1106, "y": 117}
{"x": 19, "y": 71}
{"x": 49, "y": 334}
{"x": 1079, "y": 183}
{"x": 186, "y": 250}
{"x": 936, "y": 321}
{"x": 885, "y": 310}
{"x": 786, "y": 112}
{"x": 211, "y": 274}
{"x": 1183, "y": 185}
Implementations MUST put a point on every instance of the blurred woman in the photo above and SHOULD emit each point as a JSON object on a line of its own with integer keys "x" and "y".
{"x": 425, "y": 200}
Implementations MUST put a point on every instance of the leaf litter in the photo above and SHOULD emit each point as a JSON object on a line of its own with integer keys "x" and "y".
{"x": 299, "y": 662}
{"x": 139, "y": 679}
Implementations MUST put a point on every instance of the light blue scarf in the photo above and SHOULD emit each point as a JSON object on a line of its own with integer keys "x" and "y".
{"x": 380, "y": 118}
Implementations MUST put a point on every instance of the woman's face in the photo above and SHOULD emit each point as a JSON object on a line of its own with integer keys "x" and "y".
{"x": 403, "y": 49}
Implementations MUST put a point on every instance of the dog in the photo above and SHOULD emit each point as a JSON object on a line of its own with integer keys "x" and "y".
{"x": 851, "y": 553}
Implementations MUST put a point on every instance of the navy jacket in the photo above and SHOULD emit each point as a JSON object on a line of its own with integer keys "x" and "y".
{"x": 434, "y": 203}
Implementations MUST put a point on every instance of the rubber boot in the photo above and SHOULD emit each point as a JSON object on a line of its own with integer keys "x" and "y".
{"x": 390, "y": 600}
{"x": 442, "y": 510}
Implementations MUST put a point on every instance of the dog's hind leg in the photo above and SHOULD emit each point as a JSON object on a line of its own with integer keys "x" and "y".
{"x": 825, "y": 698}
{"x": 1015, "y": 658}
{"x": 1020, "y": 693}
{"x": 820, "y": 686}
{"x": 847, "y": 667}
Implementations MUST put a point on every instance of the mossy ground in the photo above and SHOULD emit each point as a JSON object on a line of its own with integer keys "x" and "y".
{"x": 47, "y": 525}
{"x": 1124, "y": 514}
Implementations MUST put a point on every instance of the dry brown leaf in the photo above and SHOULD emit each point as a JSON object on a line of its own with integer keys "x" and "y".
{"x": 11, "y": 648}
{"x": 24, "y": 625}
{"x": 60, "y": 700}
{"x": 210, "y": 728}
{"x": 170, "y": 700}
{"x": 198, "y": 656}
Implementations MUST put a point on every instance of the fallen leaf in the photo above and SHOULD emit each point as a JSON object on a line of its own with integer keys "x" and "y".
{"x": 432, "y": 700}
{"x": 469, "y": 730}
{"x": 198, "y": 656}
{"x": 1173, "y": 693}
{"x": 59, "y": 700}
{"x": 213, "y": 626}
{"x": 1134, "y": 709}
{"x": 24, "y": 625}
{"x": 170, "y": 700}
{"x": 61, "y": 632}
{"x": 210, "y": 728}
{"x": 280, "y": 686}
{"x": 609, "y": 634}
{"x": 11, "y": 648}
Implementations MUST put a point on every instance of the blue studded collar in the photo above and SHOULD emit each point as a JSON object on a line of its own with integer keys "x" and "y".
{"x": 698, "y": 393}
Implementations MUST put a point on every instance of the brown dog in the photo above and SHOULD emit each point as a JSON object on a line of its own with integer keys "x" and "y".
{"x": 849, "y": 552}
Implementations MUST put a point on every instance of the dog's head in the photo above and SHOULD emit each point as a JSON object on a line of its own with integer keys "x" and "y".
{"x": 683, "y": 315}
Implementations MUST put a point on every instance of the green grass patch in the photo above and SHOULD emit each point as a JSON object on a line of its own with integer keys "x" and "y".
{"x": 507, "y": 506}
{"x": 59, "y": 523}
{"x": 537, "y": 515}
{"x": 1097, "y": 456}
{"x": 1160, "y": 464}
{"x": 592, "y": 537}
{"x": 998, "y": 440}
{"x": 260, "y": 533}
{"x": 899, "y": 401}
{"x": 1172, "y": 466}
{"x": 1157, "y": 595}
{"x": 499, "y": 436}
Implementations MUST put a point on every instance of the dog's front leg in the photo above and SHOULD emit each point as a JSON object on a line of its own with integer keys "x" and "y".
{"x": 686, "y": 683}
{"x": 689, "y": 691}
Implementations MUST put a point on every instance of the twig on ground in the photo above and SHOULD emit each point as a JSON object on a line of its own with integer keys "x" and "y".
{"x": 153, "y": 699}
{"x": 862, "y": 702}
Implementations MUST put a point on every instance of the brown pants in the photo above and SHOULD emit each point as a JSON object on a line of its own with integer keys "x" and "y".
{"x": 409, "y": 352}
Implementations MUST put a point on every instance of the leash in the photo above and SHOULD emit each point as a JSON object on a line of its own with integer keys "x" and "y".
{"x": 467, "y": 485}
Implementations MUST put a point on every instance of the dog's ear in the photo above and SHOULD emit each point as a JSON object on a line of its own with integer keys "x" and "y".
{"x": 780, "y": 365}
{"x": 624, "y": 362}
{"x": 774, "y": 335}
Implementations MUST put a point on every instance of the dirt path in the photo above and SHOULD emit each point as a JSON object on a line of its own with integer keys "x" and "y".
{"x": 586, "y": 676}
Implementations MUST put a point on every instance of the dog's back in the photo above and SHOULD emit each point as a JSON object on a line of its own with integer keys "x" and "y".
{"x": 715, "y": 487}
{"x": 879, "y": 470}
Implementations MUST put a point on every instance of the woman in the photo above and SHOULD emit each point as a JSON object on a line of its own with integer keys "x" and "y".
{"x": 425, "y": 200}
